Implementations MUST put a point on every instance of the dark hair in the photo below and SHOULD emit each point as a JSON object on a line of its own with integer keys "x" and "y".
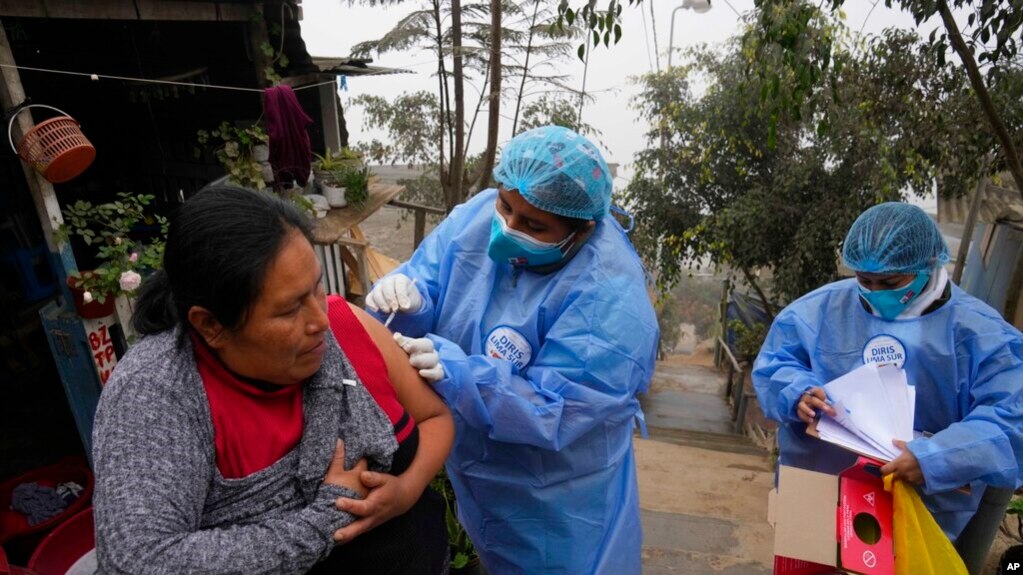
{"x": 574, "y": 224}
{"x": 219, "y": 245}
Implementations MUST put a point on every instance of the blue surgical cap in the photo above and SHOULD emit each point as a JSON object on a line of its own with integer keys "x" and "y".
{"x": 558, "y": 171}
{"x": 894, "y": 238}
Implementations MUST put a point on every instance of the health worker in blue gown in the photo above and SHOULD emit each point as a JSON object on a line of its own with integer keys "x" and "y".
{"x": 901, "y": 308}
{"x": 527, "y": 309}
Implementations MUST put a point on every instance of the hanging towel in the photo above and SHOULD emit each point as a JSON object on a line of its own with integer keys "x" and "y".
{"x": 287, "y": 123}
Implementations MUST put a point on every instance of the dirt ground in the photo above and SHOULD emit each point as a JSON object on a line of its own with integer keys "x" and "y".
{"x": 388, "y": 234}
{"x": 726, "y": 487}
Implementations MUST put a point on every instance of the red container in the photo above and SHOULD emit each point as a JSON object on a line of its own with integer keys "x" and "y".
{"x": 65, "y": 545}
{"x": 93, "y": 309}
{"x": 8, "y": 569}
{"x": 15, "y": 532}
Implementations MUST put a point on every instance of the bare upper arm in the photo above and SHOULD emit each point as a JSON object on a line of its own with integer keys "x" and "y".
{"x": 413, "y": 393}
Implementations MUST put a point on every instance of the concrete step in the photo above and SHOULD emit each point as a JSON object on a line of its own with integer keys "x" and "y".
{"x": 695, "y": 545}
{"x": 727, "y": 442}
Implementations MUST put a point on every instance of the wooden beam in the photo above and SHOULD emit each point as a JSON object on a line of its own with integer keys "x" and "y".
{"x": 328, "y": 113}
{"x": 47, "y": 207}
{"x": 124, "y": 10}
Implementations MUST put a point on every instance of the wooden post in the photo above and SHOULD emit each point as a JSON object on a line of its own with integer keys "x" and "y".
{"x": 328, "y": 109}
{"x": 47, "y": 207}
{"x": 420, "y": 228}
{"x": 971, "y": 221}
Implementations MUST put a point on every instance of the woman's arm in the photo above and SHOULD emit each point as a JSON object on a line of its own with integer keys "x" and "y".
{"x": 153, "y": 468}
{"x": 390, "y": 495}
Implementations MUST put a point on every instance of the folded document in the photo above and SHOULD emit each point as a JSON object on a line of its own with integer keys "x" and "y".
{"x": 873, "y": 406}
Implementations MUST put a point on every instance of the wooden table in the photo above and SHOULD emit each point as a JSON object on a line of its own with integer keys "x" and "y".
{"x": 337, "y": 239}
{"x": 340, "y": 221}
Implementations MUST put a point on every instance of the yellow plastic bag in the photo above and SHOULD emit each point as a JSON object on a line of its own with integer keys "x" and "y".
{"x": 921, "y": 547}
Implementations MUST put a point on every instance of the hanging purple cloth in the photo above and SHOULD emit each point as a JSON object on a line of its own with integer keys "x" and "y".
{"x": 286, "y": 123}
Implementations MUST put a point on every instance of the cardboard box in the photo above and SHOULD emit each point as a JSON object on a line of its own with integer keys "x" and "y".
{"x": 826, "y": 524}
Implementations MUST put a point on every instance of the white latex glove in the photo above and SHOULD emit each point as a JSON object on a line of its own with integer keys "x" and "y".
{"x": 394, "y": 293}
{"x": 422, "y": 356}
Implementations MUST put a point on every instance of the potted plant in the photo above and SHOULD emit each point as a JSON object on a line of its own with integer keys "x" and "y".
{"x": 328, "y": 170}
{"x": 1014, "y": 554}
{"x": 464, "y": 559}
{"x": 334, "y": 161}
{"x": 242, "y": 152}
{"x": 123, "y": 259}
{"x": 356, "y": 181}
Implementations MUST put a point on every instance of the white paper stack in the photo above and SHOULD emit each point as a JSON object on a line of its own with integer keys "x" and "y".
{"x": 874, "y": 405}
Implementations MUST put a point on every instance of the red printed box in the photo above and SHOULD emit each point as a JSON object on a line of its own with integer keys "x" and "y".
{"x": 826, "y": 524}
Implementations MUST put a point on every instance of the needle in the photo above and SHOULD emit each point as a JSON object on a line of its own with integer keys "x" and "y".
{"x": 390, "y": 317}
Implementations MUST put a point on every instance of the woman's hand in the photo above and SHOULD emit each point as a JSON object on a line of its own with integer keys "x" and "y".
{"x": 905, "y": 466}
{"x": 812, "y": 400}
{"x": 389, "y": 496}
{"x": 338, "y": 475}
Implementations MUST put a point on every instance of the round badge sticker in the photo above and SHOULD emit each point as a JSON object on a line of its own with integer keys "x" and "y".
{"x": 506, "y": 343}
{"x": 884, "y": 350}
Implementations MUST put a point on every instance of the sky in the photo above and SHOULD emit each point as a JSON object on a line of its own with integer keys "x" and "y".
{"x": 332, "y": 27}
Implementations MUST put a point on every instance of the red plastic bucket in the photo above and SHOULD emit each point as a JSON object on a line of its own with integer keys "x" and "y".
{"x": 16, "y": 535}
{"x": 65, "y": 545}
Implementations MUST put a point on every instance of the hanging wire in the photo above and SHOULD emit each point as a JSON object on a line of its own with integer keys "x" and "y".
{"x": 653, "y": 26}
{"x": 646, "y": 38}
{"x": 151, "y": 81}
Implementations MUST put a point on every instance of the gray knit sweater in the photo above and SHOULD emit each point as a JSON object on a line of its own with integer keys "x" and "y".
{"x": 162, "y": 506}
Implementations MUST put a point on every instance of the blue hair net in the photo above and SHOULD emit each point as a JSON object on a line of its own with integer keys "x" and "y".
{"x": 558, "y": 171}
{"x": 894, "y": 238}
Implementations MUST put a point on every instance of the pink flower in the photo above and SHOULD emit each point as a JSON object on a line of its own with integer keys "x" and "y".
{"x": 130, "y": 281}
{"x": 134, "y": 257}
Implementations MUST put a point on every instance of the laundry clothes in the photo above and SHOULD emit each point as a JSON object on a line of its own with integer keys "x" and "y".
{"x": 541, "y": 375}
{"x": 964, "y": 359}
{"x": 38, "y": 502}
{"x": 286, "y": 124}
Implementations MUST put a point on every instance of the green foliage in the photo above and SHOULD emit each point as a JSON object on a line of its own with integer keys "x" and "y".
{"x": 462, "y": 549}
{"x": 425, "y": 130}
{"x": 334, "y": 161}
{"x": 735, "y": 179}
{"x": 668, "y": 321}
{"x": 555, "y": 110}
{"x": 107, "y": 227}
{"x": 809, "y": 63}
{"x": 412, "y": 123}
{"x": 694, "y": 300}
{"x": 748, "y": 339}
{"x": 603, "y": 26}
{"x": 355, "y": 181}
{"x": 233, "y": 149}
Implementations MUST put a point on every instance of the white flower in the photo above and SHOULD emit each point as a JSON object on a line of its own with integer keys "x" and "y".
{"x": 87, "y": 296}
{"x": 130, "y": 281}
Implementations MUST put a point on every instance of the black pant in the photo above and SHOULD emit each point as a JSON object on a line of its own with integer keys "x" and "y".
{"x": 415, "y": 543}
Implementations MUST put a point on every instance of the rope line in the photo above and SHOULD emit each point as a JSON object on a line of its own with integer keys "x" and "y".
{"x": 95, "y": 77}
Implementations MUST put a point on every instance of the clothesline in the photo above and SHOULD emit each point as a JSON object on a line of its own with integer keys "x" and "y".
{"x": 151, "y": 81}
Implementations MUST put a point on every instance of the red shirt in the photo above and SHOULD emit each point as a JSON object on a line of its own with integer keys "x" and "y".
{"x": 255, "y": 423}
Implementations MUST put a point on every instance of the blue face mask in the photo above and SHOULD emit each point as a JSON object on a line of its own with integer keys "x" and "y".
{"x": 891, "y": 302}
{"x": 519, "y": 249}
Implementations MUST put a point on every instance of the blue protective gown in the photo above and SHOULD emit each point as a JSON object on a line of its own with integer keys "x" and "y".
{"x": 542, "y": 373}
{"x": 967, "y": 366}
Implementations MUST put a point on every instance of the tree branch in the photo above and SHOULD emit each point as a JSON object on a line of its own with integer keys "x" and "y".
{"x": 763, "y": 297}
{"x": 977, "y": 82}
{"x": 495, "y": 91}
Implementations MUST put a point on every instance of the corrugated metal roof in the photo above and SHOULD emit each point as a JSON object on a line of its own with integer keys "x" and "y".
{"x": 352, "y": 66}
